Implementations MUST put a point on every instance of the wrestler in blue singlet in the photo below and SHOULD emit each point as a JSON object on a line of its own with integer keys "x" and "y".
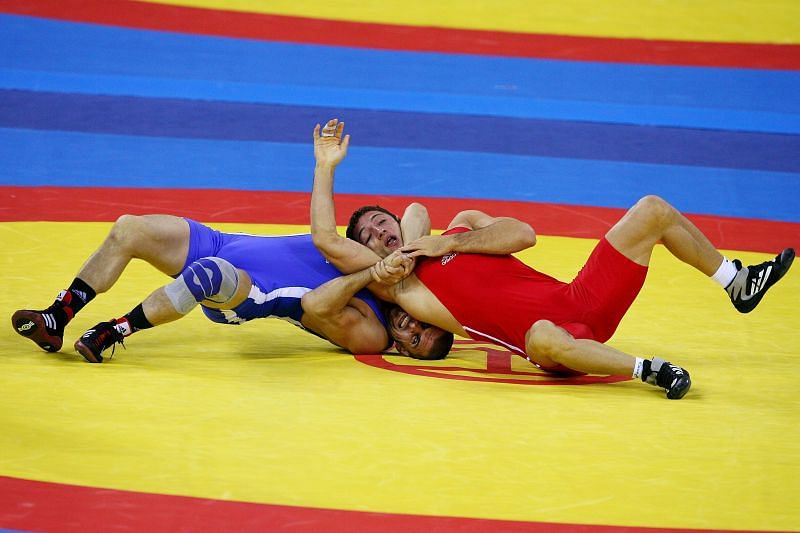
{"x": 283, "y": 268}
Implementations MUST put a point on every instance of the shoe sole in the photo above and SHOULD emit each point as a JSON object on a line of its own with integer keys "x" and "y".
{"x": 30, "y": 324}
{"x": 87, "y": 353}
{"x": 785, "y": 263}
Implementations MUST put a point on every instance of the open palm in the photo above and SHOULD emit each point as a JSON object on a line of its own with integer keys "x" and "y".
{"x": 329, "y": 146}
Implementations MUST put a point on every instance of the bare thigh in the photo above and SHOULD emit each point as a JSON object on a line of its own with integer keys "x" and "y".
{"x": 636, "y": 233}
{"x": 162, "y": 241}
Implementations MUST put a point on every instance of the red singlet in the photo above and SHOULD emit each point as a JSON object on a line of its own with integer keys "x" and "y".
{"x": 498, "y": 297}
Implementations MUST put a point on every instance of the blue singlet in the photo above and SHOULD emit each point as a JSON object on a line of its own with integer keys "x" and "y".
{"x": 283, "y": 268}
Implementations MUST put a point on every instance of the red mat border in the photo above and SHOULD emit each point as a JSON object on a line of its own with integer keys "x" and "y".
{"x": 88, "y": 204}
{"x": 56, "y": 507}
{"x": 128, "y": 13}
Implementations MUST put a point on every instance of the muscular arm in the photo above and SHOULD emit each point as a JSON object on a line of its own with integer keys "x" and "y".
{"x": 489, "y": 235}
{"x": 333, "y": 312}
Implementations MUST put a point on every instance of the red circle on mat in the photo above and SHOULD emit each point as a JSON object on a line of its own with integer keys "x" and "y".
{"x": 497, "y": 368}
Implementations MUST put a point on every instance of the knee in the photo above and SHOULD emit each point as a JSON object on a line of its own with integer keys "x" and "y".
{"x": 655, "y": 210}
{"x": 125, "y": 230}
{"x": 653, "y": 205}
{"x": 209, "y": 278}
{"x": 548, "y": 340}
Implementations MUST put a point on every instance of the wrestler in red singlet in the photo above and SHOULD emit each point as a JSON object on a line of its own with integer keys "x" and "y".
{"x": 498, "y": 297}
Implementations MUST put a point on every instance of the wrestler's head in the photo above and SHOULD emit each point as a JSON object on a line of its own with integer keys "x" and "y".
{"x": 376, "y": 228}
{"x": 417, "y": 339}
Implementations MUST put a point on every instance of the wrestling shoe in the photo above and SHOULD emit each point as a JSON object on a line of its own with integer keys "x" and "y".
{"x": 95, "y": 341}
{"x": 44, "y": 327}
{"x": 672, "y": 378}
{"x": 751, "y": 282}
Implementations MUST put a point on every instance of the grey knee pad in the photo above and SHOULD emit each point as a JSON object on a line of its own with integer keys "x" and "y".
{"x": 209, "y": 278}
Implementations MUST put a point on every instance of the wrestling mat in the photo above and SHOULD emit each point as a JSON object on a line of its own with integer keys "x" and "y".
{"x": 560, "y": 113}
{"x": 264, "y": 413}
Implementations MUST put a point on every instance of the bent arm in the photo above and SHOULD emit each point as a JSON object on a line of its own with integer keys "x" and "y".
{"x": 415, "y": 222}
{"x": 345, "y": 254}
{"x": 489, "y": 235}
{"x": 331, "y": 311}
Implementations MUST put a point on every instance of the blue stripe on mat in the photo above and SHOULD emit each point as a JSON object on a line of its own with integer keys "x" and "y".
{"x": 171, "y": 117}
{"x": 29, "y": 157}
{"x": 71, "y": 57}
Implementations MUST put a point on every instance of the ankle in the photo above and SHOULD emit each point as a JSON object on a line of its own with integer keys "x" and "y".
{"x": 726, "y": 272}
{"x": 123, "y": 326}
{"x": 648, "y": 373}
{"x": 137, "y": 319}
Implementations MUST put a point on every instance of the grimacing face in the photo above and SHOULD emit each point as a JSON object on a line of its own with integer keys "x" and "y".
{"x": 412, "y": 337}
{"x": 379, "y": 232}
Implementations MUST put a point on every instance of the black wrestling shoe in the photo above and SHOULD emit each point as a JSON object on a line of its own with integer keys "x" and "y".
{"x": 95, "y": 341}
{"x": 44, "y": 327}
{"x": 751, "y": 282}
{"x": 674, "y": 379}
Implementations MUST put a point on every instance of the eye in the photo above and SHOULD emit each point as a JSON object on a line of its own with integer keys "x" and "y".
{"x": 415, "y": 340}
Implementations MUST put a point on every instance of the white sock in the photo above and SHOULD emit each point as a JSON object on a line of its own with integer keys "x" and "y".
{"x": 725, "y": 273}
{"x": 637, "y": 368}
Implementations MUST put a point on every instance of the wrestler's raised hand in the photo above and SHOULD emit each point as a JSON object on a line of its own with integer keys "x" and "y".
{"x": 393, "y": 269}
{"x": 329, "y": 145}
{"x": 429, "y": 245}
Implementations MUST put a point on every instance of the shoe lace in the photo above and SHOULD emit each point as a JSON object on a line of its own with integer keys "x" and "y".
{"x": 110, "y": 338}
{"x": 119, "y": 341}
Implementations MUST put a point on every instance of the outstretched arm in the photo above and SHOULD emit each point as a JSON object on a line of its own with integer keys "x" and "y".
{"x": 489, "y": 235}
{"x": 330, "y": 148}
{"x": 347, "y": 255}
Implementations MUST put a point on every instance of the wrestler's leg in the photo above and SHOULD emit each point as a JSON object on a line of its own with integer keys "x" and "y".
{"x": 159, "y": 308}
{"x": 653, "y": 220}
{"x": 549, "y": 345}
{"x": 229, "y": 288}
{"x": 161, "y": 240}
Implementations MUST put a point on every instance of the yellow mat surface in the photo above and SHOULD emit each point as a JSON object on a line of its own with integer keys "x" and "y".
{"x": 743, "y": 21}
{"x": 266, "y": 413}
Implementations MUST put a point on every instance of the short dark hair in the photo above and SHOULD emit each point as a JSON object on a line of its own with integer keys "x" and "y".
{"x": 440, "y": 347}
{"x": 351, "y": 226}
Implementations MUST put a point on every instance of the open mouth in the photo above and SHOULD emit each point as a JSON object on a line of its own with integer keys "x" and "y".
{"x": 391, "y": 241}
{"x": 402, "y": 320}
